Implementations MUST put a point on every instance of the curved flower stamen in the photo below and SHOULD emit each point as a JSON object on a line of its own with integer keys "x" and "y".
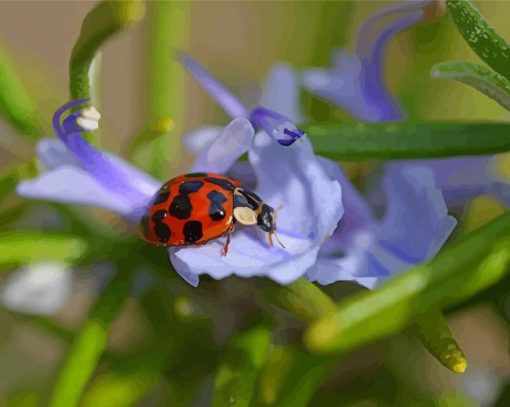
{"x": 279, "y": 127}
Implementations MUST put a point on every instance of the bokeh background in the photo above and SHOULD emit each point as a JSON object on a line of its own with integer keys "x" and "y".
{"x": 239, "y": 42}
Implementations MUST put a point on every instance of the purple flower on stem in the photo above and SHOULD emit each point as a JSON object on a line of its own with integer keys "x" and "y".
{"x": 356, "y": 83}
{"x": 356, "y": 80}
{"x": 363, "y": 247}
{"x": 277, "y": 125}
{"x": 291, "y": 178}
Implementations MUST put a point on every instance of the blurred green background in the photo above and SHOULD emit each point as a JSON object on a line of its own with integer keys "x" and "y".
{"x": 163, "y": 348}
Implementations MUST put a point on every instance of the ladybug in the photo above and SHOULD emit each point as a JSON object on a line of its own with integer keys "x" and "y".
{"x": 193, "y": 209}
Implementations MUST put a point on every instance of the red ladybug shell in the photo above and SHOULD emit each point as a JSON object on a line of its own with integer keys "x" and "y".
{"x": 190, "y": 210}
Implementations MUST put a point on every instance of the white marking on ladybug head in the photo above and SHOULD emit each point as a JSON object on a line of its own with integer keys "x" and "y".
{"x": 88, "y": 119}
{"x": 245, "y": 216}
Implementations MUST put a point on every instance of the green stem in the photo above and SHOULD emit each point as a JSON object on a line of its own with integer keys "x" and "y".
{"x": 105, "y": 20}
{"x": 360, "y": 141}
{"x": 100, "y": 24}
{"x": 469, "y": 267}
{"x": 89, "y": 345}
{"x": 169, "y": 26}
{"x": 302, "y": 298}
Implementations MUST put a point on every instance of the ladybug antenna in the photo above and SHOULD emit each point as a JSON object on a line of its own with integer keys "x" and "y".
{"x": 277, "y": 239}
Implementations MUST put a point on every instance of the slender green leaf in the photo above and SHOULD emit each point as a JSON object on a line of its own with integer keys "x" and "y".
{"x": 301, "y": 298}
{"x": 434, "y": 333}
{"x": 364, "y": 141}
{"x": 89, "y": 345}
{"x": 470, "y": 266}
{"x": 101, "y": 23}
{"x": 22, "y": 247}
{"x": 15, "y": 103}
{"x": 238, "y": 372}
{"x": 483, "y": 79}
{"x": 480, "y": 35}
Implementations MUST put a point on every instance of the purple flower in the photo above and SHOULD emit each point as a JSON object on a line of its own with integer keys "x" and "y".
{"x": 77, "y": 173}
{"x": 416, "y": 223}
{"x": 367, "y": 249}
{"x": 363, "y": 248}
{"x": 356, "y": 81}
{"x": 274, "y": 123}
{"x": 290, "y": 177}
{"x": 463, "y": 179}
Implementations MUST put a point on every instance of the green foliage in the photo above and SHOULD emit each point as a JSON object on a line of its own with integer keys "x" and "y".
{"x": 15, "y": 104}
{"x": 485, "y": 80}
{"x": 365, "y": 141}
{"x": 480, "y": 35}
{"x": 290, "y": 377}
{"x": 89, "y": 344}
{"x": 437, "y": 338}
{"x": 237, "y": 373}
{"x": 24, "y": 247}
{"x": 478, "y": 261}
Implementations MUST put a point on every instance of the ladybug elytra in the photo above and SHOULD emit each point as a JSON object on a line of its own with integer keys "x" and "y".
{"x": 193, "y": 209}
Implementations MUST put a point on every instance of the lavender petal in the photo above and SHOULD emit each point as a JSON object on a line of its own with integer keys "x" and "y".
{"x": 281, "y": 92}
{"x": 221, "y": 153}
{"x": 231, "y": 104}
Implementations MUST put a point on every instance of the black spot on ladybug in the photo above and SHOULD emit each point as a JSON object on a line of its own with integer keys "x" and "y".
{"x": 180, "y": 207}
{"x": 196, "y": 175}
{"x": 188, "y": 187}
{"x": 192, "y": 231}
{"x": 216, "y": 210}
{"x": 265, "y": 218}
{"x": 225, "y": 184}
{"x": 144, "y": 224}
{"x": 162, "y": 231}
{"x": 158, "y": 216}
{"x": 161, "y": 197}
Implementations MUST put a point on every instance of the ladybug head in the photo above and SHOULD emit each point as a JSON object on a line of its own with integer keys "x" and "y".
{"x": 249, "y": 209}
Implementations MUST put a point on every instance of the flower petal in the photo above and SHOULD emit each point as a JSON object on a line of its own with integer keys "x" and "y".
{"x": 358, "y": 215}
{"x": 373, "y": 84}
{"x": 466, "y": 178}
{"x": 416, "y": 223}
{"x": 312, "y": 207}
{"x": 195, "y": 141}
{"x": 41, "y": 289}
{"x": 415, "y": 226}
{"x": 53, "y": 154}
{"x": 293, "y": 178}
{"x": 281, "y": 92}
{"x": 341, "y": 86}
{"x": 231, "y": 104}
{"x": 248, "y": 256}
{"x": 220, "y": 154}
{"x": 72, "y": 185}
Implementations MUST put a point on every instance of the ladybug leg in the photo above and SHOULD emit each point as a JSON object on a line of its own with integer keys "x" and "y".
{"x": 227, "y": 243}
